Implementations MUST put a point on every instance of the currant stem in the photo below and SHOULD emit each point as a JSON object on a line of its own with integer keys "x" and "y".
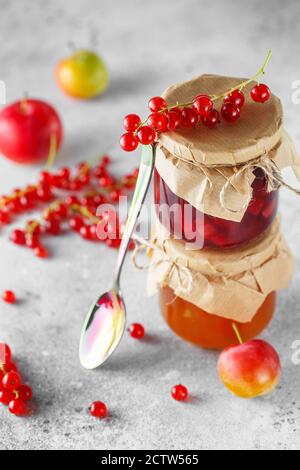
{"x": 52, "y": 151}
{"x": 238, "y": 335}
{"x": 241, "y": 86}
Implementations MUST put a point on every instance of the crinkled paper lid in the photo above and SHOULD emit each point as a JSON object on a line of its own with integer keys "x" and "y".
{"x": 232, "y": 284}
{"x": 256, "y": 132}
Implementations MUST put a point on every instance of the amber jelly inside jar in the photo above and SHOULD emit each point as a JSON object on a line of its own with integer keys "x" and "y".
{"x": 187, "y": 223}
{"x": 207, "y": 330}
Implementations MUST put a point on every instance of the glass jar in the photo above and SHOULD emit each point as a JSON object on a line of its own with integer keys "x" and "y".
{"x": 211, "y": 331}
{"x": 191, "y": 225}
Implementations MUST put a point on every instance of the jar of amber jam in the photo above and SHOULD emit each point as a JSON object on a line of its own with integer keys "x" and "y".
{"x": 211, "y": 331}
{"x": 205, "y": 231}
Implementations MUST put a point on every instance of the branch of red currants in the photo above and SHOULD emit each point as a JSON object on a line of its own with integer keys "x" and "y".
{"x": 73, "y": 200}
{"x": 164, "y": 118}
{"x": 13, "y": 393}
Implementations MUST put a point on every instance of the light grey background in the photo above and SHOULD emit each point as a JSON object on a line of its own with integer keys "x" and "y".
{"x": 147, "y": 46}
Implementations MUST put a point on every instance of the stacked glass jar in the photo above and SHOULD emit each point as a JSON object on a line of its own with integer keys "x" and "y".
{"x": 212, "y": 193}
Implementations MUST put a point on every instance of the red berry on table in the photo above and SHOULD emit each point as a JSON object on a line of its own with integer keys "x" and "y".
{"x": 157, "y": 103}
{"x": 98, "y": 409}
{"x": 157, "y": 121}
{"x": 9, "y": 297}
{"x": 131, "y": 122}
{"x": 17, "y": 407}
{"x": 129, "y": 142}
{"x": 211, "y": 119}
{"x": 4, "y": 217}
{"x": 202, "y": 104}
{"x": 260, "y": 93}
{"x": 45, "y": 178}
{"x": 52, "y": 226}
{"x": 173, "y": 120}
{"x": 86, "y": 233}
{"x": 76, "y": 223}
{"x": 41, "y": 252}
{"x": 24, "y": 392}
{"x": 237, "y": 97}
{"x": 136, "y": 330}
{"x": 44, "y": 193}
{"x": 32, "y": 241}
{"x": 146, "y": 135}
{"x": 18, "y": 237}
{"x": 251, "y": 369}
{"x": 6, "y": 396}
{"x": 64, "y": 173}
{"x": 27, "y": 130}
{"x": 189, "y": 117}
{"x": 11, "y": 380}
{"x": 230, "y": 112}
{"x": 179, "y": 392}
{"x": 5, "y": 353}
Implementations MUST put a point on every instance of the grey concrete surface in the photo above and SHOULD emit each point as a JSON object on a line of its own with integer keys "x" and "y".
{"x": 147, "y": 46}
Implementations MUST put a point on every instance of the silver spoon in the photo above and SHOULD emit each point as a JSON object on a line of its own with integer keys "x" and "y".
{"x": 105, "y": 322}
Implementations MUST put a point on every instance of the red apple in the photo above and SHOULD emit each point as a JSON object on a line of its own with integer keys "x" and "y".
{"x": 251, "y": 369}
{"x": 29, "y": 129}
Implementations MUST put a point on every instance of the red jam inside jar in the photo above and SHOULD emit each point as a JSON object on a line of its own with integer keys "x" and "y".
{"x": 193, "y": 226}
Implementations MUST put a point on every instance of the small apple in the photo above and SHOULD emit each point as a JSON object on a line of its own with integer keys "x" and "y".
{"x": 83, "y": 75}
{"x": 251, "y": 369}
{"x": 28, "y": 131}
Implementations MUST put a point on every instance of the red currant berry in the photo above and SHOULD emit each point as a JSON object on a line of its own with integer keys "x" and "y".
{"x": 18, "y": 237}
{"x": 64, "y": 173}
{"x": 45, "y": 178}
{"x": 211, "y": 119}
{"x": 173, "y": 120}
{"x": 11, "y": 380}
{"x": 230, "y": 112}
{"x": 114, "y": 242}
{"x": 32, "y": 241}
{"x": 4, "y": 217}
{"x": 237, "y": 97}
{"x": 71, "y": 200}
{"x": 189, "y": 117}
{"x": 98, "y": 409}
{"x": 76, "y": 223}
{"x": 86, "y": 232}
{"x": 136, "y": 330}
{"x": 157, "y": 104}
{"x": 260, "y": 93}
{"x": 61, "y": 210}
{"x": 33, "y": 227}
{"x": 157, "y": 121}
{"x": 17, "y": 407}
{"x": 5, "y": 353}
{"x": 9, "y": 297}
{"x": 202, "y": 104}
{"x": 179, "y": 392}
{"x": 6, "y": 396}
{"x": 24, "y": 392}
{"x": 129, "y": 142}
{"x": 10, "y": 367}
{"x": 106, "y": 160}
{"x": 44, "y": 193}
{"x": 41, "y": 252}
{"x": 146, "y": 135}
{"x": 131, "y": 122}
{"x": 52, "y": 227}
{"x": 106, "y": 181}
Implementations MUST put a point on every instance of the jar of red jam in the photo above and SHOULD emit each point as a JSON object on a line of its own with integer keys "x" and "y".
{"x": 211, "y": 188}
{"x": 187, "y": 223}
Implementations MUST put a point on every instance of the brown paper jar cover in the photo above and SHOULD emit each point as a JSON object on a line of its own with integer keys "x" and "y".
{"x": 232, "y": 284}
{"x": 197, "y": 163}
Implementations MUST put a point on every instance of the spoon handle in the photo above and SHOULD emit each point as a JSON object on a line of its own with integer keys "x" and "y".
{"x": 141, "y": 189}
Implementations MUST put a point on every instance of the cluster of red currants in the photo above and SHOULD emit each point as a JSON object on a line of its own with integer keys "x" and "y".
{"x": 201, "y": 109}
{"x": 13, "y": 393}
{"x": 74, "y": 200}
